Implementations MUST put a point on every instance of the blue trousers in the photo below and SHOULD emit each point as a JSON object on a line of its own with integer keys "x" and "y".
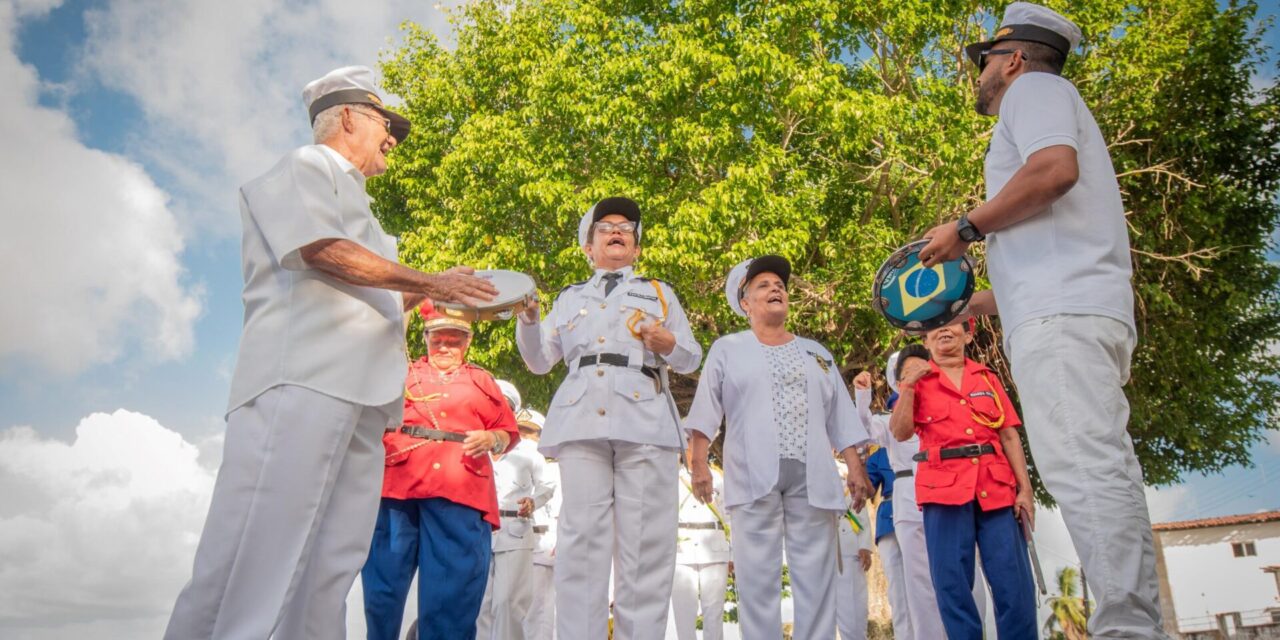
{"x": 951, "y": 532}
{"x": 450, "y": 547}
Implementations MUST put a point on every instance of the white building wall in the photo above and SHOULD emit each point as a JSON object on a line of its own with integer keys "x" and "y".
{"x": 1207, "y": 579}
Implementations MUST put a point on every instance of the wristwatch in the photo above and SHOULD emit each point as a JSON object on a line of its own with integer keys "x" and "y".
{"x": 967, "y": 231}
{"x": 498, "y": 446}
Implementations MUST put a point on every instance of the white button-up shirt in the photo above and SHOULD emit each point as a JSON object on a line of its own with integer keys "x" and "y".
{"x": 516, "y": 475}
{"x": 905, "y": 508}
{"x": 702, "y": 546}
{"x": 604, "y": 401}
{"x": 735, "y": 387}
{"x": 302, "y": 327}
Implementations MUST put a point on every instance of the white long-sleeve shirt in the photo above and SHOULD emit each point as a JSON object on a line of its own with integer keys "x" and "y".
{"x": 519, "y": 474}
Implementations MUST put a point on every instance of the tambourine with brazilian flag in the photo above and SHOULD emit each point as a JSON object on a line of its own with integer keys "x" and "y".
{"x": 914, "y": 297}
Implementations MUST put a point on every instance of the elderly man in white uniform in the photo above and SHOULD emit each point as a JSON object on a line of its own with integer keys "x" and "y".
{"x": 540, "y": 623}
{"x": 613, "y": 430}
{"x": 702, "y": 561}
{"x": 319, "y": 377}
{"x": 786, "y": 409}
{"x": 519, "y": 477}
{"x": 1058, "y": 257}
{"x": 851, "y": 575}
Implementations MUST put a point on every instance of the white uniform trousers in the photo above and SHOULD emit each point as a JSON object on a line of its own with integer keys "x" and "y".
{"x": 1070, "y": 371}
{"x": 507, "y": 596}
{"x": 699, "y": 587}
{"x": 540, "y": 623}
{"x": 891, "y": 560}
{"x": 851, "y": 597}
{"x": 922, "y": 602}
{"x": 290, "y": 522}
{"x": 619, "y": 509}
{"x": 759, "y": 531}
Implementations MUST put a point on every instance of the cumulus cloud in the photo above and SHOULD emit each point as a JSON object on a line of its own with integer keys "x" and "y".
{"x": 97, "y": 535}
{"x": 221, "y": 82}
{"x": 90, "y": 248}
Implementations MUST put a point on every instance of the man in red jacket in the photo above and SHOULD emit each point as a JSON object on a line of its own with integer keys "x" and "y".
{"x": 971, "y": 483}
{"x": 439, "y": 505}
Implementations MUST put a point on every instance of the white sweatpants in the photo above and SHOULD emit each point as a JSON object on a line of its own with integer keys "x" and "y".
{"x": 699, "y": 587}
{"x": 922, "y": 602}
{"x": 759, "y": 531}
{"x": 891, "y": 560}
{"x": 1070, "y": 371}
{"x": 540, "y": 624}
{"x": 619, "y": 506}
{"x": 290, "y": 522}
{"x": 851, "y": 598}
{"x": 507, "y": 596}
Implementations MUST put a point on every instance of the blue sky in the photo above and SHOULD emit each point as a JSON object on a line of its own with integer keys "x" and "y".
{"x": 134, "y": 123}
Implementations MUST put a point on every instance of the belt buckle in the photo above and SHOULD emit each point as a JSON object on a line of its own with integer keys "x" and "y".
{"x": 972, "y": 450}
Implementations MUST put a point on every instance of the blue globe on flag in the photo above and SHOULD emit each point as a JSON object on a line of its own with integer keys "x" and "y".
{"x": 918, "y": 298}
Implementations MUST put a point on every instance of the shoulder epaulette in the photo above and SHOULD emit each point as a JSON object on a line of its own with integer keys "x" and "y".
{"x": 648, "y": 279}
{"x": 573, "y": 284}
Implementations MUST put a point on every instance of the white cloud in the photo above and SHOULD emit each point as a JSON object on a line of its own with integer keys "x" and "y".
{"x": 90, "y": 249}
{"x": 221, "y": 82}
{"x": 97, "y": 536}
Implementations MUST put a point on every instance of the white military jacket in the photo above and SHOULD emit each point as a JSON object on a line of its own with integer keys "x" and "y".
{"x": 905, "y": 508}
{"x": 545, "y": 518}
{"x": 519, "y": 474}
{"x": 604, "y": 401}
{"x": 301, "y": 326}
{"x": 697, "y": 545}
{"x": 736, "y": 387}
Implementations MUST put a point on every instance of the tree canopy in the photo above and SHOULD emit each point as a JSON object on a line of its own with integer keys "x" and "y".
{"x": 832, "y": 132}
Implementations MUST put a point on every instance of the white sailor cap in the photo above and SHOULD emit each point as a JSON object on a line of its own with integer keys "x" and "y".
{"x": 744, "y": 271}
{"x": 1032, "y": 23}
{"x": 350, "y": 85}
{"x": 531, "y": 419}
{"x": 891, "y": 370}
{"x": 625, "y": 207}
{"x": 511, "y": 393}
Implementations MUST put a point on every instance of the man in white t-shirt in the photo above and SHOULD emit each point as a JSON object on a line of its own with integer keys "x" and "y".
{"x": 1058, "y": 258}
{"x": 319, "y": 377}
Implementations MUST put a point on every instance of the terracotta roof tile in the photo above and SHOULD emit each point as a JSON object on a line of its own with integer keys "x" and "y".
{"x": 1224, "y": 521}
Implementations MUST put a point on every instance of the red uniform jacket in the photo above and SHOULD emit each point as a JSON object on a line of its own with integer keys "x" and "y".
{"x": 946, "y": 417}
{"x": 431, "y": 469}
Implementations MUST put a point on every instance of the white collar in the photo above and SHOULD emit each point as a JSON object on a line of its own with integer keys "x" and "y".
{"x": 626, "y": 272}
{"x": 343, "y": 163}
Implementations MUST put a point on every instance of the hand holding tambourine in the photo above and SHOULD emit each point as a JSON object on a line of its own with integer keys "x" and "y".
{"x": 917, "y": 298}
{"x": 515, "y": 291}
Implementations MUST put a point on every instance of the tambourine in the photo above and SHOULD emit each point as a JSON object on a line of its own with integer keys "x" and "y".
{"x": 515, "y": 290}
{"x": 918, "y": 298}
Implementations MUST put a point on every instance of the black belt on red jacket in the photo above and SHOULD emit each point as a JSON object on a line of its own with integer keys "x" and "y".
{"x": 432, "y": 434}
{"x": 614, "y": 360}
{"x": 967, "y": 451}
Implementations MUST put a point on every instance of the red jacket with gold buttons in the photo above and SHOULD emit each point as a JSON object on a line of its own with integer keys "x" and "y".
{"x": 418, "y": 468}
{"x": 947, "y": 417}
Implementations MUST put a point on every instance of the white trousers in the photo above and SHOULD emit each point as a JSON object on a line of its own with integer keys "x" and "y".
{"x": 922, "y": 602}
{"x": 507, "y": 596}
{"x": 619, "y": 506}
{"x": 699, "y": 587}
{"x": 760, "y": 529}
{"x": 891, "y": 560}
{"x": 290, "y": 522}
{"x": 851, "y": 597}
{"x": 540, "y": 624}
{"x": 1070, "y": 371}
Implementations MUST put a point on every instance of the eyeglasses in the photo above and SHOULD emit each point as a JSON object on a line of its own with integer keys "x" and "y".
{"x": 982, "y": 56}
{"x": 386, "y": 124}
{"x": 610, "y": 227}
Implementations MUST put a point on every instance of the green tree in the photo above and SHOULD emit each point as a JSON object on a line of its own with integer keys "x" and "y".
{"x": 831, "y": 132}
{"x": 1066, "y": 619}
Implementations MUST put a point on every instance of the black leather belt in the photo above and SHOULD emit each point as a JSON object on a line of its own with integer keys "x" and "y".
{"x": 967, "y": 451}
{"x": 614, "y": 360}
{"x": 541, "y": 528}
{"x": 905, "y": 473}
{"x": 701, "y": 525}
{"x": 432, "y": 434}
{"x": 507, "y": 513}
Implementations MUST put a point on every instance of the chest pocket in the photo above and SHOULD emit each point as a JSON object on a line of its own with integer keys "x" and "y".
{"x": 984, "y": 406}
{"x": 932, "y": 408}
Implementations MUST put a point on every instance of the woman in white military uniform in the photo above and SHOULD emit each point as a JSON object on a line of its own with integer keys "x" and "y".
{"x": 702, "y": 562}
{"x": 786, "y": 409}
{"x": 613, "y": 430}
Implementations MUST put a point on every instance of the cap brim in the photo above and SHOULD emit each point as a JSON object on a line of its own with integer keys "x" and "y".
{"x": 974, "y": 51}
{"x": 400, "y": 125}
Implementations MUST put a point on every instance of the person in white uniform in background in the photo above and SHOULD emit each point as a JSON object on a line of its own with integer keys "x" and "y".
{"x": 319, "y": 376}
{"x": 851, "y": 571}
{"x": 612, "y": 429}
{"x": 540, "y": 623}
{"x": 703, "y": 555}
{"x": 519, "y": 476}
{"x": 786, "y": 408}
